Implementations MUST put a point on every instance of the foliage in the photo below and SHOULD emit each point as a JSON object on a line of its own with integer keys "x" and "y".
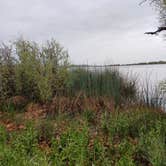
{"x": 101, "y": 82}
{"x": 71, "y": 149}
{"x": 7, "y": 72}
{"x": 133, "y": 137}
{"x": 34, "y": 71}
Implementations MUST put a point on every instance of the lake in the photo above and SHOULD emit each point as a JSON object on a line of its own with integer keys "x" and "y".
{"x": 148, "y": 77}
{"x": 153, "y": 74}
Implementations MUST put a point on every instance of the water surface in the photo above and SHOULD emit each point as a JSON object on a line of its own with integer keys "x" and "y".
{"x": 153, "y": 74}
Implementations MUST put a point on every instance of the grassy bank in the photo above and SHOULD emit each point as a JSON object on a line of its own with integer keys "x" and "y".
{"x": 133, "y": 137}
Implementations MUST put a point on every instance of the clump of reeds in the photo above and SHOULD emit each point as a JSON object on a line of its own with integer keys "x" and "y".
{"x": 99, "y": 82}
{"x": 152, "y": 95}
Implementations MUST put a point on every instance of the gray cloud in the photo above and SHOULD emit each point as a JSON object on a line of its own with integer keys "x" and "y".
{"x": 100, "y": 31}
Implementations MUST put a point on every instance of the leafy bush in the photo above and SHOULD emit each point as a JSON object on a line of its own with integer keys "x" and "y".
{"x": 7, "y": 72}
{"x": 26, "y": 142}
{"x": 71, "y": 149}
{"x": 41, "y": 72}
{"x": 34, "y": 71}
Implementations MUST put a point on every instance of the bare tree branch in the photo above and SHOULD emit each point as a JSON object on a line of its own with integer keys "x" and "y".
{"x": 160, "y": 29}
{"x": 142, "y": 2}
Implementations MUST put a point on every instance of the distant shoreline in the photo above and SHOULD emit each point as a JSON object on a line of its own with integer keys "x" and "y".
{"x": 131, "y": 64}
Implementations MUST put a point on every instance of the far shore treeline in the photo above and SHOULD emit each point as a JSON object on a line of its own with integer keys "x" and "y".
{"x": 130, "y": 64}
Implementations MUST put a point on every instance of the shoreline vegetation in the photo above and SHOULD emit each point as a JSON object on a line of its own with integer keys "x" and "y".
{"x": 53, "y": 116}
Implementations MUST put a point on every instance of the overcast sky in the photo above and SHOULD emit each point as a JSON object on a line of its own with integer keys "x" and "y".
{"x": 93, "y": 31}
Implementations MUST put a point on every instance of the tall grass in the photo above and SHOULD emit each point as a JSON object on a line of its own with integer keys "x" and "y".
{"x": 100, "y": 82}
{"x": 152, "y": 95}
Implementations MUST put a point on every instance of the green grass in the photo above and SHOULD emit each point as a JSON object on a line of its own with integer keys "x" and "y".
{"x": 134, "y": 137}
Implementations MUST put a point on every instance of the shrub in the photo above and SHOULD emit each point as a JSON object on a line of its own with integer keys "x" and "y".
{"x": 26, "y": 142}
{"x": 41, "y": 72}
{"x": 71, "y": 149}
{"x": 34, "y": 71}
{"x": 7, "y": 72}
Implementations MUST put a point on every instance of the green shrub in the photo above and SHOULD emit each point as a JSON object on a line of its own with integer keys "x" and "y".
{"x": 45, "y": 130}
{"x": 71, "y": 149}
{"x": 152, "y": 145}
{"x": 3, "y": 136}
{"x": 126, "y": 151}
{"x": 41, "y": 72}
{"x": 26, "y": 142}
{"x": 7, "y": 72}
{"x": 34, "y": 71}
{"x": 96, "y": 153}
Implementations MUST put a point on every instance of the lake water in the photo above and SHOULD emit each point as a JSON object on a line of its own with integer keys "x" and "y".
{"x": 148, "y": 77}
{"x": 153, "y": 74}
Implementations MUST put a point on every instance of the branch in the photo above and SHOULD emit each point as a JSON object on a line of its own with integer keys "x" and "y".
{"x": 142, "y": 2}
{"x": 156, "y": 32}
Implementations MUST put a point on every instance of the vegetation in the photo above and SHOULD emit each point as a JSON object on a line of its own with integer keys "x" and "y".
{"x": 41, "y": 72}
{"x": 133, "y": 137}
{"x": 52, "y": 114}
{"x": 101, "y": 83}
{"x": 32, "y": 71}
{"x": 161, "y": 7}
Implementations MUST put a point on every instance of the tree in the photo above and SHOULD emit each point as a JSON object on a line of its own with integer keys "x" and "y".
{"x": 7, "y": 71}
{"x": 42, "y": 70}
{"x": 161, "y": 6}
{"x": 37, "y": 72}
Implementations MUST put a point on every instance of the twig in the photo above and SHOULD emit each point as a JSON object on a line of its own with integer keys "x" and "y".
{"x": 160, "y": 29}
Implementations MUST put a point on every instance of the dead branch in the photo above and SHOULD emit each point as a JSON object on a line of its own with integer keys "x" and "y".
{"x": 160, "y": 29}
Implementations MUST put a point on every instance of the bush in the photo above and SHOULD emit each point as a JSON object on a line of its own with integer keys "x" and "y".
{"x": 34, "y": 71}
{"x": 7, "y": 72}
{"x": 26, "y": 142}
{"x": 71, "y": 149}
{"x": 41, "y": 72}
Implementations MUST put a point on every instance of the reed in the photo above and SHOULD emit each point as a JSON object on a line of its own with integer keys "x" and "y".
{"x": 101, "y": 82}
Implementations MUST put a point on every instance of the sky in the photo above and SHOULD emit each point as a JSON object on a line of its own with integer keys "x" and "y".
{"x": 93, "y": 31}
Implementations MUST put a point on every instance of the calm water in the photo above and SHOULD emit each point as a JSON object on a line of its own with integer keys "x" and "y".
{"x": 154, "y": 74}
